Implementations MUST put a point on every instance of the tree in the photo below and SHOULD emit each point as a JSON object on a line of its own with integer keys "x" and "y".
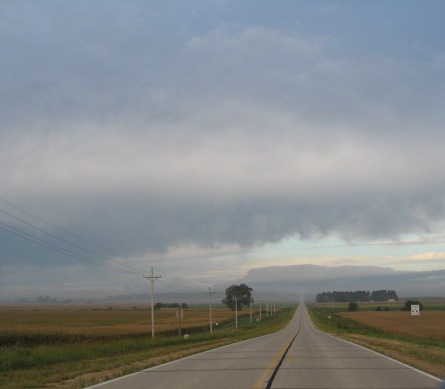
{"x": 239, "y": 296}
{"x": 353, "y": 307}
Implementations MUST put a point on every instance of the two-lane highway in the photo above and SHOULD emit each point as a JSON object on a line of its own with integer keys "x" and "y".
{"x": 297, "y": 357}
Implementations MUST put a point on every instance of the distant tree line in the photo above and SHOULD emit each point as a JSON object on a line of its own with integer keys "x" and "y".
{"x": 171, "y": 305}
{"x": 359, "y": 295}
{"x": 46, "y": 300}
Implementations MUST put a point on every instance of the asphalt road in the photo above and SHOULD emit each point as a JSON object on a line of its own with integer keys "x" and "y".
{"x": 297, "y": 357}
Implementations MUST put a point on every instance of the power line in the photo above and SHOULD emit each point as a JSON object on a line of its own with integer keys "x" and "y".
{"x": 86, "y": 254}
{"x": 58, "y": 237}
{"x": 58, "y": 227}
{"x": 140, "y": 270}
{"x": 62, "y": 250}
{"x": 185, "y": 283}
{"x": 41, "y": 242}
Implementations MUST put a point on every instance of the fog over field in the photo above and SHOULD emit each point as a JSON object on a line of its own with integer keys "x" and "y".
{"x": 206, "y": 139}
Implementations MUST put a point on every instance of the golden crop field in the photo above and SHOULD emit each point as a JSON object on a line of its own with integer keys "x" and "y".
{"x": 102, "y": 320}
{"x": 429, "y": 324}
{"x": 67, "y": 346}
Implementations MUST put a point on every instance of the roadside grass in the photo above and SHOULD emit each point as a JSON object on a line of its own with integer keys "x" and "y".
{"x": 419, "y": 347}
{"x": 66, "y": 364}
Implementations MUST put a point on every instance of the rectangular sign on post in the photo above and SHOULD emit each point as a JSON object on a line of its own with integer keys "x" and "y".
{"x": 415, "y": 310}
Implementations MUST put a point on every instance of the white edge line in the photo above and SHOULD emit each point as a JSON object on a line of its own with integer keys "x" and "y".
{"x": 169, "y": 363}
{"x": 375, "y": 352}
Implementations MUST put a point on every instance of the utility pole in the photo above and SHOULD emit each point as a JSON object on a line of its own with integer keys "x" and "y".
{"x": 152, "y": 278}
{"x": 180, "y": 316}
{"x": 236, "y": 312}
{"x": 210, "y": 309}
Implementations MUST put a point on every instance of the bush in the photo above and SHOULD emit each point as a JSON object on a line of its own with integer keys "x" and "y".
{"x": 408, "y": 303}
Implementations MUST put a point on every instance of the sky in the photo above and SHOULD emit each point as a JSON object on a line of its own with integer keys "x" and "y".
{"x": 208, "y": 138}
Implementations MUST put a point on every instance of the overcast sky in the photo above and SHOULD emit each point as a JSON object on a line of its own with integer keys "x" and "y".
{"x": 206, "y": 138}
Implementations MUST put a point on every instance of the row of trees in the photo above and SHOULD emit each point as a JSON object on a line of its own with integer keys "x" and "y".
{"x": 170, "y": 305}
{"x": 353, "y": 306}
{"x": 359, "y": 295}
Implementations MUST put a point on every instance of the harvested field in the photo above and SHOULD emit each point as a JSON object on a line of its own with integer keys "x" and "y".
{"x": 71, "y": 324}
{"x": 429, "y": 324}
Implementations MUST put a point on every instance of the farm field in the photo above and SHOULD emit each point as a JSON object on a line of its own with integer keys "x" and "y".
{"x": 80, "y": 322}
{"x": 71, "y": 347}
{"x": 429, "y": 324}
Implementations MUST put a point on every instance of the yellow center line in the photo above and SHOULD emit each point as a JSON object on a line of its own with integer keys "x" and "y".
{"x": 267, "y": 375}
{"x": 262, "y": 382}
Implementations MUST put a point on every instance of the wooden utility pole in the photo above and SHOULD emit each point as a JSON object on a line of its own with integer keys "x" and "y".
{"x": 236, "y": 312}
{"x": 152, "y": 278}
{"x": 210, "y": 309}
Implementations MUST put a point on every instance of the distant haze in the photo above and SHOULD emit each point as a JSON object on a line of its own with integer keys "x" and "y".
{"x": 290, "y": 282}
{"x": 311, "y": 279}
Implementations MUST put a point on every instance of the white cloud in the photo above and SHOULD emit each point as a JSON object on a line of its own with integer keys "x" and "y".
{"x": 254, "y": 41}
{"x": 429, "y": 256}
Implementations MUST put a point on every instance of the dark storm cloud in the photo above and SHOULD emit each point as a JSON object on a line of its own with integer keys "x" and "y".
{"x": 145, "y": 128}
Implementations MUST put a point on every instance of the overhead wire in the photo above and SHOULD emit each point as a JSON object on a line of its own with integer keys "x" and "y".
{"x": 41, "y": 242}
{"x": 55, "y": 236}
{"x": 184, "y": 284}
{"x": 67, "y": 232}
{"x": 86, "y": 254}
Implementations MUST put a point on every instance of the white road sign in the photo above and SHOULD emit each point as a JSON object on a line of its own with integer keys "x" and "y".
{"x": 415, "y": 310}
